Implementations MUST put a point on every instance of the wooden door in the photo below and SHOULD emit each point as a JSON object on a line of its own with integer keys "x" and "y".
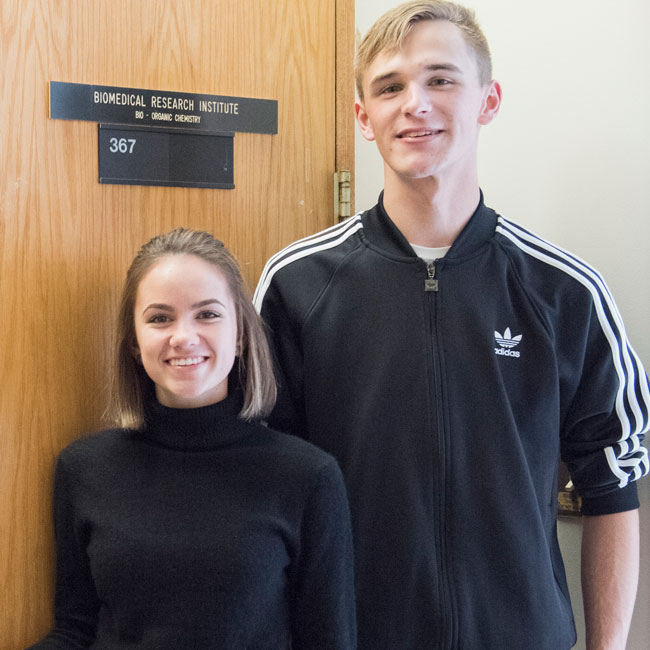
{"x": 66, "y": 240}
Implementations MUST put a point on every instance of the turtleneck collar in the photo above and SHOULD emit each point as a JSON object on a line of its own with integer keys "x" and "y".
{"x": 195, "y": 429}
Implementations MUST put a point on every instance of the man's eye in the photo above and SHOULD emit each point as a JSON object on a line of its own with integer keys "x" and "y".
{"x": 393, "y": 88}
{"x": 440, "y": 82}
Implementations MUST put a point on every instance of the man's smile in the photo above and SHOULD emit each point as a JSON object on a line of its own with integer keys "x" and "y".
{"x": 417, "y": 133}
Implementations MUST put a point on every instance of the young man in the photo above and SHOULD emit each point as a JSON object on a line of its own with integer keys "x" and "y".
{"x": 446, "y": 357}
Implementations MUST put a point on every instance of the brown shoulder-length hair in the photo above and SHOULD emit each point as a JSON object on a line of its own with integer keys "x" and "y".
{"x": 255, "y": 367}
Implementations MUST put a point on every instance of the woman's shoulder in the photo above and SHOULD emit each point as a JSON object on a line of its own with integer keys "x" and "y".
{"x": 294, "y": 451}
{"x": 96, "y": 445}
{"x": 293, "y": 470}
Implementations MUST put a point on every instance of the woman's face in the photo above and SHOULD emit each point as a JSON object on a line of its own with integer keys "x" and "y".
{"x": 186, "y": 329}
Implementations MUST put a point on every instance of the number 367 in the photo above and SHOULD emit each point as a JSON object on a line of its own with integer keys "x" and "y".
{"x": 122, "y": 145}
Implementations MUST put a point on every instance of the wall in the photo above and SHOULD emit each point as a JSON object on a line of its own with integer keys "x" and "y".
{"x": 568, "y": 157}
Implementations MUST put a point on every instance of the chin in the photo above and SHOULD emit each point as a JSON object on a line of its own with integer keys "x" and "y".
{"x": 418, "y": 173}
{"x": 415, "y": 169}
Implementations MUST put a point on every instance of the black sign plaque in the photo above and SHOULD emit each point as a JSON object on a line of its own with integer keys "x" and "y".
{"x": 172, "y": 157}
{"x": 163, "y": 108}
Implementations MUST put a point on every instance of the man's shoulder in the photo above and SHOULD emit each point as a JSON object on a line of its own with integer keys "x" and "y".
{"x": 311, "y": 260}
{"x": 537, "y": 255}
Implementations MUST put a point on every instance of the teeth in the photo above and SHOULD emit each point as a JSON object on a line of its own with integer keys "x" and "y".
{"x": 416, "y": 134}
{"x": 188, "y": 361}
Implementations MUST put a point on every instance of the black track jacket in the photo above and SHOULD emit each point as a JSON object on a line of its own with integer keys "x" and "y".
{"x": 447, "y": 394}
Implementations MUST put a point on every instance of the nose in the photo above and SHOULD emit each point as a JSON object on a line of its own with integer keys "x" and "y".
{"x": 416, "y": 100}
{"x": 184, "y": 334}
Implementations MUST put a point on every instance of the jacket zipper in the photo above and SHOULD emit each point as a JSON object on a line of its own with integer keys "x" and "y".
{"x": 431, "y": 282}
{"x": 447, "y": 632}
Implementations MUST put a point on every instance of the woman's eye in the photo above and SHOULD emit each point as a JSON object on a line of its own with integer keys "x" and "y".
{"x": 159, "y": 318}
{"x": 208, "y": 315}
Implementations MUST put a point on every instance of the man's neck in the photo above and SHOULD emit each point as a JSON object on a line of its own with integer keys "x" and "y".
{"x": 428, "y": 212}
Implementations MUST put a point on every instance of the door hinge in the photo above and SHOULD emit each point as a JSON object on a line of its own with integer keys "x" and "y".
{"x": 342, "y": 182}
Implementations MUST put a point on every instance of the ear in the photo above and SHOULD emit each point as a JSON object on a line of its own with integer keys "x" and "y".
{"x": 364, "y": 122}
{"x": 135, "y": 351}
{"x": 491, "y": 103}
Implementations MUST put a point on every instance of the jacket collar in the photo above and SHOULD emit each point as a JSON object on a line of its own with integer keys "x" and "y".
{"x": 381, "y": 232}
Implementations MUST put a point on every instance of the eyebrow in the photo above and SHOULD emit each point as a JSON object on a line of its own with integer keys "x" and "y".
{"x": 431, "y": 67}
{"x": 163, "y": 307}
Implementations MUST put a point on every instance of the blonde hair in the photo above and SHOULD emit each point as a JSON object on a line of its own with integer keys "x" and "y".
{"x": 390, "y": 30}
{"x": 255, "y": 367}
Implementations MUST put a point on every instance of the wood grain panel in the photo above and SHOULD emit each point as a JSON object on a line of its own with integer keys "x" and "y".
{"x": 345, "y": 123}
{"x": 66, "y": 240}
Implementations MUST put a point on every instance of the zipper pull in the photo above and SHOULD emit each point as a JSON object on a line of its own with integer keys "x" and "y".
{"x": 431, "y": 284}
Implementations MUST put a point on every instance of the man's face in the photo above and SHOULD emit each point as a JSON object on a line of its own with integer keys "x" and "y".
{"x": 424, "y": 104}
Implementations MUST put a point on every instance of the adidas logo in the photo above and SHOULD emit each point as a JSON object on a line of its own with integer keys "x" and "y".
{"x": 506, "y": 342}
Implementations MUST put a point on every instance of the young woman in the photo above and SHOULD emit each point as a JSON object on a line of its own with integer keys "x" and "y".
{"x": 193, "y": 526}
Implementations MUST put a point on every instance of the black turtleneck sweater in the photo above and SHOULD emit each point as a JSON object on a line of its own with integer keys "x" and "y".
{"x": 200, "y": 532}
